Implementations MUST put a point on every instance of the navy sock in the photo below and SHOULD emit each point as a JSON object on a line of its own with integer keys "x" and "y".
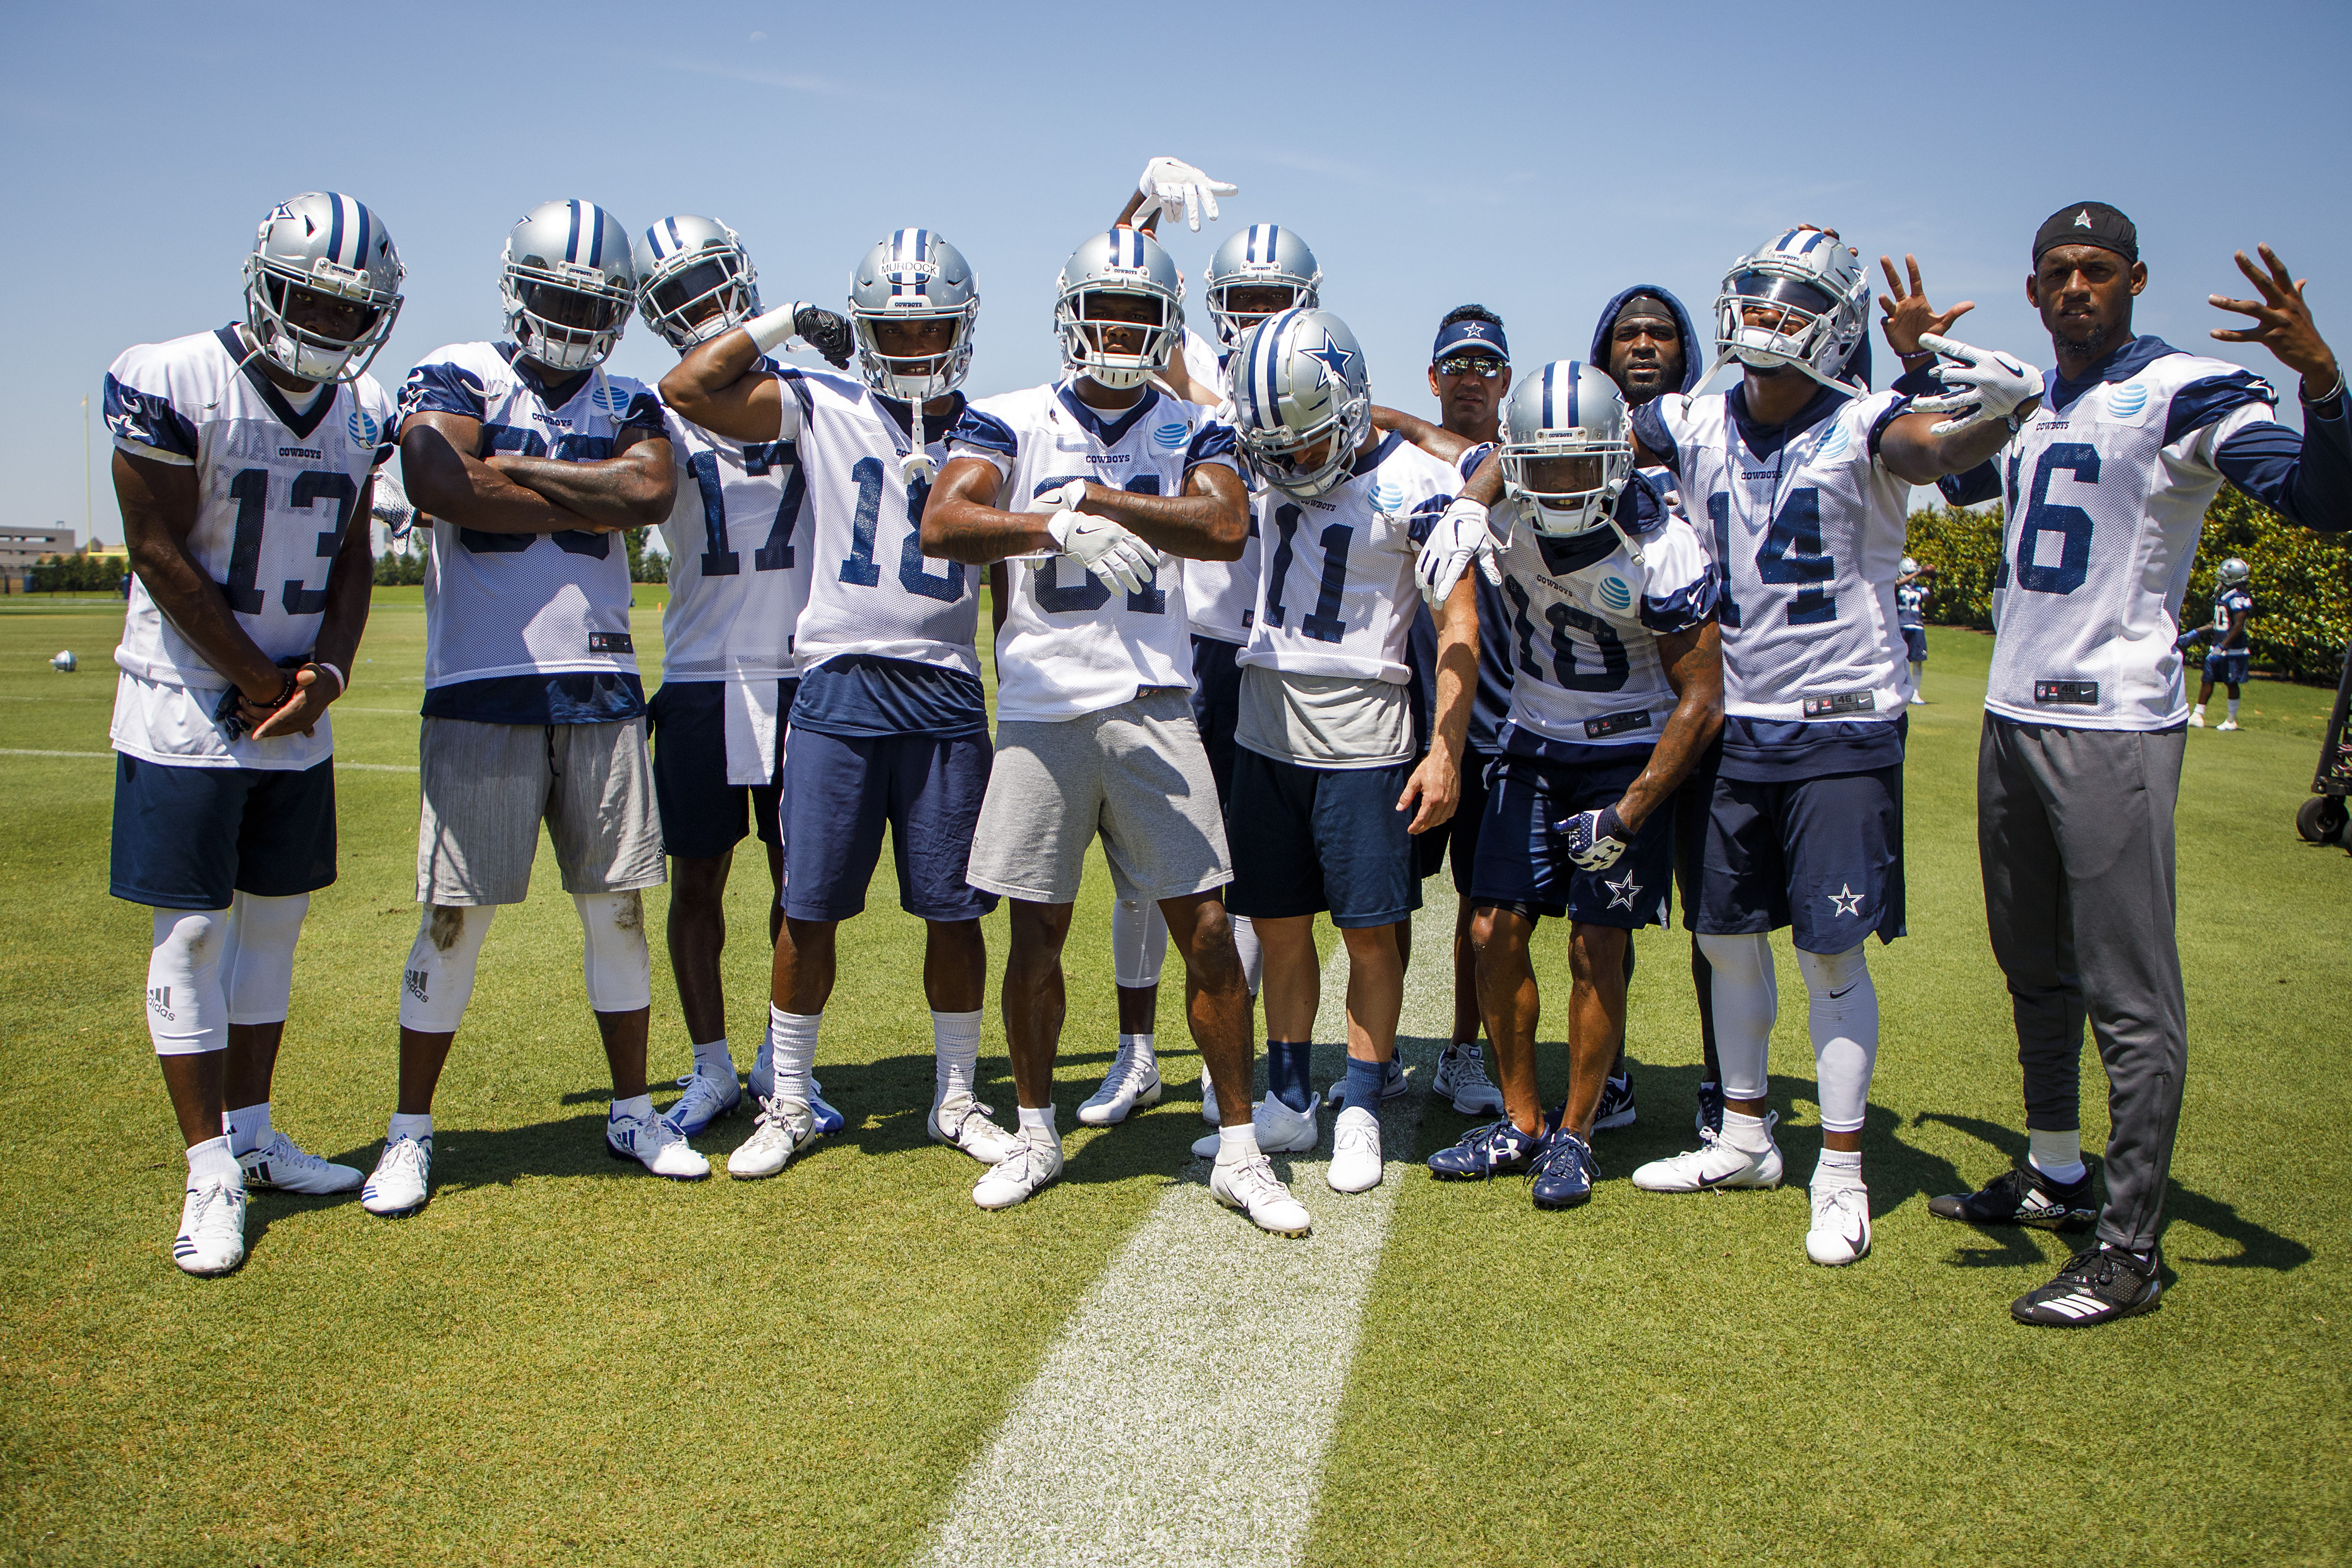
{"x": 1287, "y": 1074}
{"x": 1365, "y": 1082}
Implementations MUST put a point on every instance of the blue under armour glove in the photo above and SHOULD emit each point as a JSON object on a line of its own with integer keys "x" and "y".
{"x": 1593, "y": 839}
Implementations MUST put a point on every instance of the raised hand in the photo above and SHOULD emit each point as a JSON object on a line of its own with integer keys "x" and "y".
{"x": 2283, "y": 321}
{"x": 1181, "y": 190}
{"x": 1904, "y": 313}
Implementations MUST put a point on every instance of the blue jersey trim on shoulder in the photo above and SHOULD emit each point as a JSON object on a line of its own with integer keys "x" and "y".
{"x": 1981, "y": 483}
{"x": 985, "y": 431}
{"x": 1211, "y": 440}
{"x": 1650, "y": 429}
{"x": 1689, "y": 606}
{"x": 148, "y": 419}
{"x": 1467, "y": 464}
{"x": 2202, "y": 402}
{"x": 1893, "y": 411}
{"x": 644, "y": 413}
{"x": 443, "y": 388}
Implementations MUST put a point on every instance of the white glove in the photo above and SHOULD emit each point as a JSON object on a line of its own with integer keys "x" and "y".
{"x": 1459, "y": 536}
{"x": 390, "y": 505}
{"x": 1984, "y": 385}
{"x": 1593, "y": 839}
{"x": 1181, "y": 191}
{"x": 1105, "y": 548}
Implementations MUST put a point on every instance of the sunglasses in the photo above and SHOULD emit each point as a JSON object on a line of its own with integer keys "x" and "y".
{"x": 1484, "y": 366}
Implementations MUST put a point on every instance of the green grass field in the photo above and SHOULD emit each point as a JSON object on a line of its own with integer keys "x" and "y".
{"x": 560, "y": 1361}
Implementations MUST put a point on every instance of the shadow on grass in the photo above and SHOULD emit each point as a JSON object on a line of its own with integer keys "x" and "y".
{"x": 2258, "y": 1247}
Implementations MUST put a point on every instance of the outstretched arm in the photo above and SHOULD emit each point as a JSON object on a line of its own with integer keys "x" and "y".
{"x": 1693, "y": 661}
{"x": 717, "y": 387}
{"x": 1436, "y": 783}
{"x": 1434, "y": 439}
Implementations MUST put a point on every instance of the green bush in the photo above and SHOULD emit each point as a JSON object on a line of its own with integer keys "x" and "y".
{"x": 2302, "y": 581}
{"x": 80, "y": 572}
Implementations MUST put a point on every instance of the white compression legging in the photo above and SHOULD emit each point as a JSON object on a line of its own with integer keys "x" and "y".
{"x": 212, "y": 968}
{"x": 439, "y": 980}
{"x": 1842, "y": 1015}
{"x": 1139, "y": 940}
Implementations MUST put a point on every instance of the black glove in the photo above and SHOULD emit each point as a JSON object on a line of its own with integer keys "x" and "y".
{"x": 825, "y": 332}
{"x": 224, "y": 712}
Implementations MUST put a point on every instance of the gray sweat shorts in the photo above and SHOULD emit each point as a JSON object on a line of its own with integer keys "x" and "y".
{"x": 487, "y": 788}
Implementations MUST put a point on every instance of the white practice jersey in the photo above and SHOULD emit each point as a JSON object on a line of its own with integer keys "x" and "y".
{"x": 1336, "y": 596}
{"x": 1583, "y": 636}
{"x": 1220, "y": 596}
{"x": 2104, "y": 502}
{"x": 1069, "y": 645}
{"x": 498, "y": 605}
{"x": 871, "y": 588}
{"x": 1807, "y": 537}
{"x": 739, "y": 557}
{"x": 274, "y": 491}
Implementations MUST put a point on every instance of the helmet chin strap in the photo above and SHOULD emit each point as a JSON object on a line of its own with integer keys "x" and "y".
{"x": 1610, "y": 492}
{"x": 916, "y": 468}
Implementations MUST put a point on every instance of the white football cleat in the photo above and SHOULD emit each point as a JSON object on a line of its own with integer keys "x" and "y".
{"x": 1129, "y": 1086}
{"x": 1841, "y": 1228}
{"x": 402, "y": 1179}
{"x": 2225, "y": 726}
{"x": 1713, "y": 1164}
{"x": 1035, "y": 1159}
{"x": 961, "y": 1122}
{"x": 706, "y": 1099}
{"x": 1250, "y": 1186}
{"x": 1355, "y": 1150}
{"x": 2196, "y": 719}
{"x": 1462, "y": 1079}
{"x": 212, "y": 1229}
{"x": 655, "y": 1143}
{"x": 783, "y": 1129}
{"x": 1208, "y": 1099}
{"x": 1918, "y": 700}
{"x": 1280, "y": 1129}
{"x": 280, "y": 1164}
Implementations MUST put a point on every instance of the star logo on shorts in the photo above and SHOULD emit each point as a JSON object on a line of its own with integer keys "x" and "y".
{"x": 1623, "y": 891}
{"x": 1847, "y": 901}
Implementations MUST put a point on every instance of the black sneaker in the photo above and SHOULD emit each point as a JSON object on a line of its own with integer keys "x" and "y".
{"x": 1616, "y": 1107}
{"x": 2103, "y": 1283}
{"x": 2023, "y": 1196}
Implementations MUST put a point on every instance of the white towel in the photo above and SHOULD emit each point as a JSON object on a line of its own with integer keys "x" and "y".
{"x": 750, "y": 708}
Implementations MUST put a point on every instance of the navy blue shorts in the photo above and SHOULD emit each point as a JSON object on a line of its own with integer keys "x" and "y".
{"x": 1217, "y": 707}
{"x": 1519, "y": 858}
{"x": 2229, "y": 668}
{"x": 1915, "y": 639}
{"x": 1469, "y": 817}
{"x": 1309, "y": 839}
{"x": 1693, "y": 799}
{"x": 193, "y": 838}
{"x": 703, "y": 815}
{"x": 1824, "y": 856}
{"x": 839, "y": 791}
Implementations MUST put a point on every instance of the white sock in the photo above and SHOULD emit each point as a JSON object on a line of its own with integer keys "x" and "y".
{"x": 1253, "y": 956}
{"x": 2234, "y": 709}
{"x": 210, "y": 1160}
{"x": 1838, "y": 1168}
{"x": 792, "y": 1037}
{"x": 2198, "y": 710}
{"x": 418, "y": 1127}
{"x": 1747, "y": 1001}
{"x": 1919, "y": 673}
{"x": 712, "y": 1061}
{"x": 1841, "y": 1013}
{"x": 638, "y": 1105}
{"x": 1237, "y": 1145}
{"x": 1141, "y": 1046}
{"x": 248, "y": 1128}
{"x": 2057, "y": 1155}
{"x": 1745, "y": 1133}
{"x": 955, "y": 1053}
{"x": 1039, "y": 1119}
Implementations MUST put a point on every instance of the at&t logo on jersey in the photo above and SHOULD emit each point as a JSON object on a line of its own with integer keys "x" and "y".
{"x": 610, "y": 399}
{"x": 1833, "y": 445}
{"x": 1388, "y": 496}
{"x": 2127, "y": 401}
{"x": 1172, "y": 434}
{"x": 363, "y": 429}
{"x": 1615, "y": 593}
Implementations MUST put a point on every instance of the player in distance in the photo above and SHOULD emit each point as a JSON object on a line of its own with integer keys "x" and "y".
{"x": 242, "y": 458}
{"x": 890, "y": 726}
{"x": 2227, "y": 656}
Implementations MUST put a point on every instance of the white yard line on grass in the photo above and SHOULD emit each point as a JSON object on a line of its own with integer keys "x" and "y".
{"x": 1183, "y": 1414}
{"x": 340, "y": 767}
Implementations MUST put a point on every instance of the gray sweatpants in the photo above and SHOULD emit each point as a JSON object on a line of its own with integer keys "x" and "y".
{"x": 2074, "y": 837}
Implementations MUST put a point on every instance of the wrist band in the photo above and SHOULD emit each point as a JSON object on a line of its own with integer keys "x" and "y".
{"x": 1915, "y": 353}
{"x": 2333, "y": 393}
{"x": 342, "y": 684}
{"x": 773, "y": 328}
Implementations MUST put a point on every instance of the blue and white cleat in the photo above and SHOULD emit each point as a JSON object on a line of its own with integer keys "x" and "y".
{"x": 212, "y": 1229}
{"x": 1563, "y": 1171}
{"x": 402, "y": 1180}
{"x": 828, "y": 1120}
{"x": 655, "y": 1143}
{"x": 1616, "y": 1107}
{"x": 706, "y": 1099}
{"x": 1497, "y": 1148}
{"x": 760, "y": 1083}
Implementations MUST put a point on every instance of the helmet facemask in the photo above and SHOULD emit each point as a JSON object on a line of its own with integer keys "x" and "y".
{"x": 1278, "y": 457}
{"x": 307, "y": 353}
{"x": 1565, "y": 482}
{"x": 566, "y": 316}
{"x": 1085, "y": 331}
{"x": 692, "y": 297}
{"x": 1776, "y": 311}
{"x": 919, "y": 377}
{"x": 1231, "y": 320}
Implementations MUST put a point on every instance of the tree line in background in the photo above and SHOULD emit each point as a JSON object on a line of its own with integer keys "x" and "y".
{"x": 2301, "y": 581}
{"x": 80, "y": 573}
{"x": 403, "y": 566}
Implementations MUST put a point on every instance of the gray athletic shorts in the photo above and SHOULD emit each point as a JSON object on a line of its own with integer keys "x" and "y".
{"x": 1136, "y": 773}
{"x": 487, "y": 786}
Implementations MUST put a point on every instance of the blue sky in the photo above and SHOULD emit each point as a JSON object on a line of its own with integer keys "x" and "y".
{"x": 1534, "y": 158}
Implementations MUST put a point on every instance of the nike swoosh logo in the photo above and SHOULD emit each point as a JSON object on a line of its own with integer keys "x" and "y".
{"x": 2012, "y": 369}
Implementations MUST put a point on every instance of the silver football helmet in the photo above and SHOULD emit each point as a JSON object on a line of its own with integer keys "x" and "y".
{"x": 1263, "y": 256}
{"x": 1299, "y": 385}
{"x": 568, "y": 284}
{"x": 1907, "y": 567}
{"x": 1809, "y": 287}
{"x": 331, "y": 246}
{"x": 1123, "y": 261}
{"x": 914, "y": 275}
{"x": 2233, "y": 570}
{"x": 1566, "y": 453}
{"x": 694, "y": 279}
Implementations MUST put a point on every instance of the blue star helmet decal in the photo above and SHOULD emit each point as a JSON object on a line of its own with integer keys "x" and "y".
{"x": 1333, "y": 357}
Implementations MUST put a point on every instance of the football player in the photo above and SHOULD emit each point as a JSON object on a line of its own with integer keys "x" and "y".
{"x": 1095, "y": 731}
{"x": 1326, "y": 794}
{"x": 2079, "y": 766}
{"x": 241, "y": 458}
{"x": 2225, "y": 660}
{"x": 1803, "y": 477}
{"x": 1618, "y": 691}
{"x": 890, "y": 726}
{"x": 1912, "y": 582}
{"x": 530, "y": 457}
{"x": 738, "y": 575}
